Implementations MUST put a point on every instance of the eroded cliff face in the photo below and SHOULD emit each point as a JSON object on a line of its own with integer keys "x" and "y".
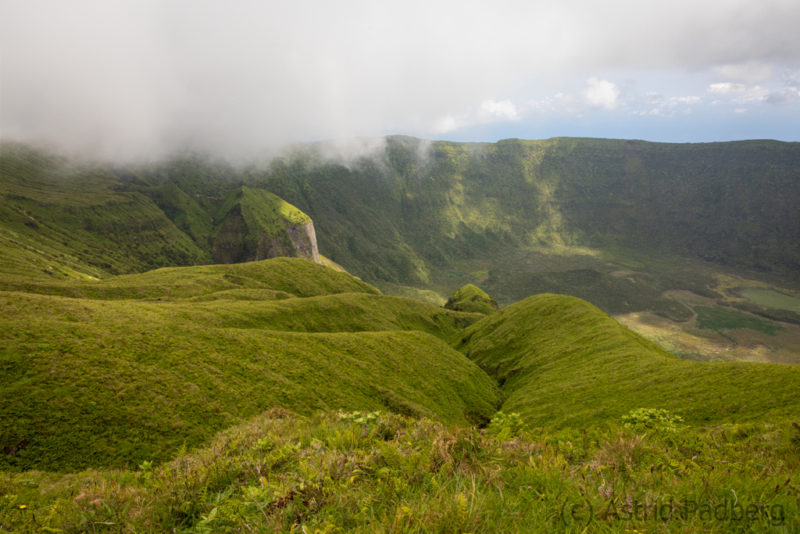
{"x": 304, "y": 238}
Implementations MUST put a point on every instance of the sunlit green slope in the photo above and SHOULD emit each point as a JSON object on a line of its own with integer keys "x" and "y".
{"x": 104, "y": 378}
{"x": 561, "y": 362}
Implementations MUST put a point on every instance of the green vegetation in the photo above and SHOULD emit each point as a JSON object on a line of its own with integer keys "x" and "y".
{"x": 652, "y": 419}
{"x": 563, "y": 363}
{"x": 70, "y": 220}
{"x": 471, "y": 298}
{"x": 409, "y": 216}
{"x": 337, "y": 408}
{"x": 378, "y": 472}
{"x": 103, "y": 378}
{"x": 559, "y": 215}
{"x": 63, "y": 219}
{"x": 771, "y": 299}
{"x": 284, "y": 278}
{"x": 719, "y": 319}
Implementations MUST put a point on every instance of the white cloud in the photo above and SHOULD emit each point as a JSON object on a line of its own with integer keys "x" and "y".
{"x": 489, "y": 111}
{"x": 657, "y": 105}
{"x": 724, "y": 88}
{"x": 503, "y": 110}
{"x": 739, "y": 93}
{"x": 234, "y": 77}
{"x": 601, "y": 94}
{"x": 447, "y": 124}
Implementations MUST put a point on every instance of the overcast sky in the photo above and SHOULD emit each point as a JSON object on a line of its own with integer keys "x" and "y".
{"x": 137, "y": 78}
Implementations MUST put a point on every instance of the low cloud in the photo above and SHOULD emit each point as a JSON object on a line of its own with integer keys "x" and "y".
{"x": 739, "y": 93}
{"x": 489, "y": 111}
{"x": 725, "y": 88}
{"x": 135, "y": 78}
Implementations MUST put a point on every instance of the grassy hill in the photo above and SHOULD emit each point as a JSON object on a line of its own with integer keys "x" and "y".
{"x": 131, "y": 368}
{"x": 514, "y": 217}
{"x": 562, "y": 362}
{"x": 254, "y": 224}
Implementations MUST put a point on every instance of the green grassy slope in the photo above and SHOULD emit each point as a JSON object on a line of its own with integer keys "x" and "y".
{"x": 67, "y": 219}
{"x": 417, "y": 213}
{"x": 562, "y": 362}
{"x": 103, "y": 378}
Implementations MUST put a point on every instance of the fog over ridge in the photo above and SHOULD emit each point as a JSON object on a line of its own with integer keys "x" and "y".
{"x": 125, "y": 80}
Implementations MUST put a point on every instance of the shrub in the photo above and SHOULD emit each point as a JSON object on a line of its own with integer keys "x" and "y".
{"x": 657, "y": 419}
{"x": 505, "y": 426}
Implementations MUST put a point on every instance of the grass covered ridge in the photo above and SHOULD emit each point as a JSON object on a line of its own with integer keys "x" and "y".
{"x": 117, "y": 380}
{"x": 561, "y": 362}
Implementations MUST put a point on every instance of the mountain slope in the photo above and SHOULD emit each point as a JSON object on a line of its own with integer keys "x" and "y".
{"x": 561, "y": 362}
{"x": 419, "y": 207}
{"x": 67, "y": 219}
{"x": 64, "y": 219}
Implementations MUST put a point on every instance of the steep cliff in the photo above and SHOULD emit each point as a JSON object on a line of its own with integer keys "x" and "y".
{"x": 253, "y": 224}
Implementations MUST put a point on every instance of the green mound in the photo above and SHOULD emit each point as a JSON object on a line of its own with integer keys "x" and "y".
{"x": 471, "y": 298}
{"x": 562, "y": 362}
{"x": 103, "y": 378}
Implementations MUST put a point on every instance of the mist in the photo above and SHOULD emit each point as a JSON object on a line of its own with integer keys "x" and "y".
{"x": 132, "y": 80}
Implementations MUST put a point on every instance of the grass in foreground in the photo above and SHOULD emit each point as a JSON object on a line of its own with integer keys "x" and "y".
{"x": 372, "y": 472}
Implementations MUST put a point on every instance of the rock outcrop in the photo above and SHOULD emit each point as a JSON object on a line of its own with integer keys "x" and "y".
{"x": 256, "y": 225}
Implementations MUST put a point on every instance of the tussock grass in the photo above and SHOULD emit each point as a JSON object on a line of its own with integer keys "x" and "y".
{"x": 380, "y": 472}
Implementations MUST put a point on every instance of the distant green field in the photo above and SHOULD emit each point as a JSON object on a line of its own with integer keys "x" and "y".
{"x": 717, "y": 318}
{"x": 772, "y": 299}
